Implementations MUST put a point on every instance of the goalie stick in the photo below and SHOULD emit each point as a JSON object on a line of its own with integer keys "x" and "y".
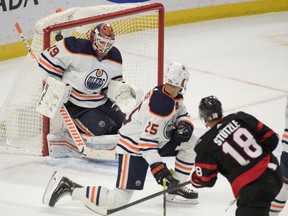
{"x": 80, "y": 144}
{"x": 111, "y": 211}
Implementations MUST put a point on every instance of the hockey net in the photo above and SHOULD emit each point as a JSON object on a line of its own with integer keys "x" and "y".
{"x": 139, "y": 30}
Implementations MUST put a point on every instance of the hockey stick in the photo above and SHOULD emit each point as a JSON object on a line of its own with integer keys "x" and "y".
{"x": 111, "y": 211}
{"x": 164, "y": 197}
{"x": 80, "y": 144}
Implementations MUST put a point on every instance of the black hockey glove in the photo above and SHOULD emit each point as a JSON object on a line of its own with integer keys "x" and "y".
{"x": 161, "y": 172}
{"x": 183, "y": 132}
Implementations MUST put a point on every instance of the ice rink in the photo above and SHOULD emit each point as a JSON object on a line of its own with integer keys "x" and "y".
{"x": 243, "y": 61}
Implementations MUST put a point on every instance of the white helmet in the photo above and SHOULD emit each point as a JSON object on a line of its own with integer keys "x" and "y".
{"x": 177, "y": 75}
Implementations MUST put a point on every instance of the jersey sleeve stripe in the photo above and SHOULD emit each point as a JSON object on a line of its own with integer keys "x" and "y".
{"x": 208, "y": 178}
{"x": 267, "y": 135}
{"x": 44, "y": 57}
{"x": 259, "y": 126}
{"x": 128, "y": 138}
{"x": 50, "y": 72}
{"x": 207, "y": 166}
{"x": 49, "y": 67}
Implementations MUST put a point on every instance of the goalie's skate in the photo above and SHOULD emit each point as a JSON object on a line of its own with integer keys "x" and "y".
{"x": 183, "y": 195}
{"x": 58, "y": 186}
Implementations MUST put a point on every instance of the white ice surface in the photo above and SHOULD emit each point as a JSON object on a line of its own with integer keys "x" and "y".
{"x": 243, "y": 61}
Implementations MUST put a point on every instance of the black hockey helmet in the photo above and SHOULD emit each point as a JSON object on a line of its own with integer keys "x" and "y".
{"x": 210, "y": 108}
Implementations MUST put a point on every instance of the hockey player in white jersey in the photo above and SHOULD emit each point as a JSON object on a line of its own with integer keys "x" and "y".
{"x": 89, "y": 66}
{"x": 280, "y": 200}
{"x": 158, "y": 126}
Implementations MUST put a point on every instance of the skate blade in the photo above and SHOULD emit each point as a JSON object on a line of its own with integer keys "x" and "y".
{"x": 52, "y": 184}
{"x": 178, "y": 200}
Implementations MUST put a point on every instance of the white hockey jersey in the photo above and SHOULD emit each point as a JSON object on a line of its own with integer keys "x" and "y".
{"x": 74, "y": 62}
{"x": 149, "y": 126}
{"x": 285, "y": 134}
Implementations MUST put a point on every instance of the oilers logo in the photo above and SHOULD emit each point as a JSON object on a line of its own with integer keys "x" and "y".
{"x": 96, "y": 79}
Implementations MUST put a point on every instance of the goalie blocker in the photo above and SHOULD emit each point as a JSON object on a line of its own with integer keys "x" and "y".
{"x": 54, "y": 95}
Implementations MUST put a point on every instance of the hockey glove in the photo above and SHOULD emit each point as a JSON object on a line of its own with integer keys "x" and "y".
{"x": 161, "y": 172}
{"x": 183, "y": 132}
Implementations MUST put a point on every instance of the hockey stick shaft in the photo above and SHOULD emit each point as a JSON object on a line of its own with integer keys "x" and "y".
{"x": 111, "y": 211}
{"x": 86, "y": 152}
{"x": 164, "y": 198}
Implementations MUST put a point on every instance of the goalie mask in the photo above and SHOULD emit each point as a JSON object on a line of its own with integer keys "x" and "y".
{"x": 102, "y": 38}
{"x": 177, "y": 75}
{"x": 210, "y": 108}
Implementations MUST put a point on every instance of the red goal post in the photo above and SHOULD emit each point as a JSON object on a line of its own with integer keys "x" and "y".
{"x": 139, "y": 30}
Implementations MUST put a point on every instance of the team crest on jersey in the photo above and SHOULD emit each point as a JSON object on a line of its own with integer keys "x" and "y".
{"x": 96, "y": 79}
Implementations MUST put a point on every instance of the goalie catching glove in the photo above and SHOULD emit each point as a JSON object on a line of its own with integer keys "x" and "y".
{"x": 124, "y": 95}
{"x": 161, "y": 172}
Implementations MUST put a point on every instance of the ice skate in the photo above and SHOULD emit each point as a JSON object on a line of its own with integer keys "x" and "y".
{"x": 58, "y": 187}
{"x": 183, "y": 195}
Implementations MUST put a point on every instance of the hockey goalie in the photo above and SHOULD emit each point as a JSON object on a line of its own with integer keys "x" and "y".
{"x": 85, "y": 76}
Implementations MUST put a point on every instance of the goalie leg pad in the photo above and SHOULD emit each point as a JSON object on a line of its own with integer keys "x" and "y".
{"x": 61, "y": 145}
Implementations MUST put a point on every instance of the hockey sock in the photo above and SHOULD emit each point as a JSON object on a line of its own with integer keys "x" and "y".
{"x": 279, "y": 202}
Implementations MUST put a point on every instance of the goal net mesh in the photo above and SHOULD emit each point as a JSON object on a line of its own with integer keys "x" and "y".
{"x": 137, "y": 38}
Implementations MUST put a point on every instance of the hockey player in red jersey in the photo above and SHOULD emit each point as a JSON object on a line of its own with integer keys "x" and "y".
{"x": 159, "y": 126}
{"x": 240, "y": 148}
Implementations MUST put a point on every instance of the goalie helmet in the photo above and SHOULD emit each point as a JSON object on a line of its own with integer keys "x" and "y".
{"x": 102, "y": 38}
{"x": 210, "y": 108}
{"x": 177, "y": 75}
